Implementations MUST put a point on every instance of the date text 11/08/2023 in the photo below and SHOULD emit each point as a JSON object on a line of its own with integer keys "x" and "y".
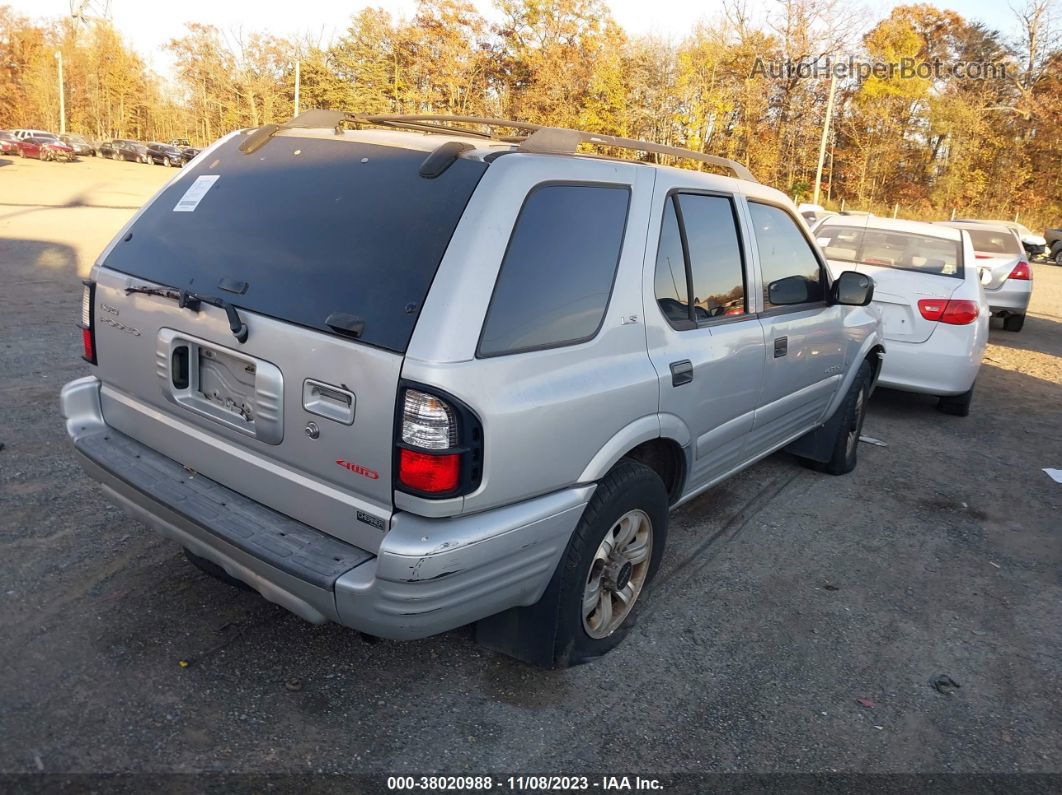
{"x": 524, "y": 783}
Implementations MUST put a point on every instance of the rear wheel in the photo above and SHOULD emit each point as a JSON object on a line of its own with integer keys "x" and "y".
{"x": 612, "y": 556}
{"x": 1013, "y": 322}
{"x": 956, "y": 405}
{"x": 1058, "y": 257}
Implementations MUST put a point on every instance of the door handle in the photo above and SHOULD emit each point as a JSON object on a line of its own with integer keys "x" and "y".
{"x": 681, "y": 372}
{"x": 781, "y": 346}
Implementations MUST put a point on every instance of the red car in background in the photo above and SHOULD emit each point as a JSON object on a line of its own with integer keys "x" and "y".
{"x": 45, "y": 148}
{"x": 8, "y": 143}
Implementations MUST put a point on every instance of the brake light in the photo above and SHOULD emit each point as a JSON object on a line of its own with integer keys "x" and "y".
{"x": 432, "y": 474}
{"x": 1021, "y": 271}
{"x": 955, "y": 313}
{"x": 439, "y": 445}
{"x": 88, "y": 329}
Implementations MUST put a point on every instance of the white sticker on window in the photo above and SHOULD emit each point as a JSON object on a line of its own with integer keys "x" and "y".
{"x": 824, "y": 241}
{"x": 191, "y": 198}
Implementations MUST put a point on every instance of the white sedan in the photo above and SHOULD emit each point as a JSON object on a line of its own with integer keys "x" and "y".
{"x": 928, "y": 291}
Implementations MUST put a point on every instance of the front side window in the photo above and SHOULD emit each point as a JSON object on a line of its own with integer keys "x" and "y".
{"x": 790, "y": 270}
{"x": 557, "y": 274}
{"x": 709, "y": 268}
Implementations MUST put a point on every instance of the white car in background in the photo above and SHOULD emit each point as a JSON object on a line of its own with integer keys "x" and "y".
{"x": 1005, "y": 270}
{"x": 1034, "y": 244}
{"x": 927, "y": 288}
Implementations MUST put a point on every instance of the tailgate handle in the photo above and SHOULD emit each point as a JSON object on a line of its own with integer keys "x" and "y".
{"x": 331, "y": 402}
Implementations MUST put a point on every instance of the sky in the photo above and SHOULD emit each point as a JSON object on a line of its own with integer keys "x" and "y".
{"x": 148, "y": 26}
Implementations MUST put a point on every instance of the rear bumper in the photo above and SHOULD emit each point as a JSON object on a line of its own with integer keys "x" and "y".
{"x": 1011, "y": 298}
{"x": 429, "y": 575}
{"x": 945, "y": 364}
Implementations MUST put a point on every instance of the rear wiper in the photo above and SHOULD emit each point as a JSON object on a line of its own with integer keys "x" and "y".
{"x": 186, "y": 299}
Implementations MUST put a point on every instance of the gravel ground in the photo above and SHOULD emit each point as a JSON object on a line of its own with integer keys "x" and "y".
{"x": 785, "y": 598}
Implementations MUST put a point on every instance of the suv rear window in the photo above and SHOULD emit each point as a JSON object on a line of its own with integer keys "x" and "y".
{"x": 314, "y": 226}
{"x": 557, "y": 274}
{"x": 891, "y": 249}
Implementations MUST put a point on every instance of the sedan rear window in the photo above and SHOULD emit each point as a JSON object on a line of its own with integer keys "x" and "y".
{"x": 890, "y": 248}
{"x": 312, "y": 226}
{"x": 990, "y": 241}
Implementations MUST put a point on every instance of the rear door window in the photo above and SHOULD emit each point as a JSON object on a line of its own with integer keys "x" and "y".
{"x": 557, "y": 274}
{"x": 313, "y": 226}
{"x": 710, "y": 266}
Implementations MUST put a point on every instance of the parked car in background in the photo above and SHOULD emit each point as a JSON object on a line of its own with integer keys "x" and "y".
{"x": 23, "y": 133}
{"x": 79, "y": 144}
{"x": 1034, "y": 244}
{"x": 1005, "y": 272}
{"x": 180, "y": 143}
{"x": 122, "y": 149}
{"x": 165, "y": 155}
{"x": 46, "y": 148}
{"x": 189, "y": 153}
{"x": 8, "y": 143}
{"x": 497, "y": 430}
{"x": 1053, "y": 238}
{"x": 927, "y": 288}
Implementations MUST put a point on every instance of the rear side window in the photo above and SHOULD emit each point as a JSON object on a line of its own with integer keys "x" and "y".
{"x": 557, "y": 274}
{"x": 785, "y": 253}
{"x": 313, "y": 226}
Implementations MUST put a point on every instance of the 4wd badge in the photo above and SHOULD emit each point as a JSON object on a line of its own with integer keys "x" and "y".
{"x": 358, "y": 469}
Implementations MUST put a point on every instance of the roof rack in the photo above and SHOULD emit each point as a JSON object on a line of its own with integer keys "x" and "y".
{"x": 529, "y": 138}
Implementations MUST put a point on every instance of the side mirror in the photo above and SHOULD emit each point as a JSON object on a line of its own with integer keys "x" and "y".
{"x": 852, "y": 289}
{"x": 790, "y": 290}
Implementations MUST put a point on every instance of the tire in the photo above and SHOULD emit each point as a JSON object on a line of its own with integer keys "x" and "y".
{"x": 1013, "y": 322}
{"x": 853, "y": 411}
{"x": 956, "y": 405}
{"x": 1058, "y": 257}
{"x": 214, "y": 570}
{"x": 631, "y": 496}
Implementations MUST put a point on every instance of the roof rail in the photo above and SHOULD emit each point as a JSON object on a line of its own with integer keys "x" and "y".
{"x": 530, "y": 138}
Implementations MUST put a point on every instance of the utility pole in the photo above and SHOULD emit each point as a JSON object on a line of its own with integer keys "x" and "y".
{"x": 825, "y": 137}
{"x": 296, "y": 88}
{"x": 62, "y": 94}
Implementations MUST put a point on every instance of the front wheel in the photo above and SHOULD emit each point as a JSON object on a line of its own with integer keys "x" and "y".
{"x": 852, "y": 411}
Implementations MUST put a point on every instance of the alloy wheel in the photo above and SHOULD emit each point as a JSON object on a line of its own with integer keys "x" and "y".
{"x": 617, "y": 573}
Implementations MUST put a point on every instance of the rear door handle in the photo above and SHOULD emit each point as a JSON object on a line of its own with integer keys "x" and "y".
{"x": 681, "y": 372}
{"x": 781, "y": 346}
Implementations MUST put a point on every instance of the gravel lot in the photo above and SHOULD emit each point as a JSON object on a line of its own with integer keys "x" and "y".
{"x": 786, "y": 596}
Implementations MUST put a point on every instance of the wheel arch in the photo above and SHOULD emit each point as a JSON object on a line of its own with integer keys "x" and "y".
{"x": 656, "y": 440}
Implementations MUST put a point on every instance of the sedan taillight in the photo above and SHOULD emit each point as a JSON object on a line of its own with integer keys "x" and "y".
{"x": 955, "y": 313}
{"x": 1021, "y": 272}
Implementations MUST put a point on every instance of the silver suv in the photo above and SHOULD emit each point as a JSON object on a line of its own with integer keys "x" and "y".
{"x": 413, "y": 376}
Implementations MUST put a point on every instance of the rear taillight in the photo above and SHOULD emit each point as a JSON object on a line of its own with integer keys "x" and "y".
{"x": 439, "y": 445}
{"x": 88, "y": 328}
{"x": 955, "y": 313}
{"x": 429, "y": 473}
{"x": 1021, "y": 271}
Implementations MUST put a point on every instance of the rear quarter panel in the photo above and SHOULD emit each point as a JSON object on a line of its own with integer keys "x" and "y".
{"x": 546, "y": 414}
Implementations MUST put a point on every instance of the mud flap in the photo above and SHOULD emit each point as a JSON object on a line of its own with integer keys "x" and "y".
{"x": 817, "y": 445}
{"x": 528, "y": 634}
